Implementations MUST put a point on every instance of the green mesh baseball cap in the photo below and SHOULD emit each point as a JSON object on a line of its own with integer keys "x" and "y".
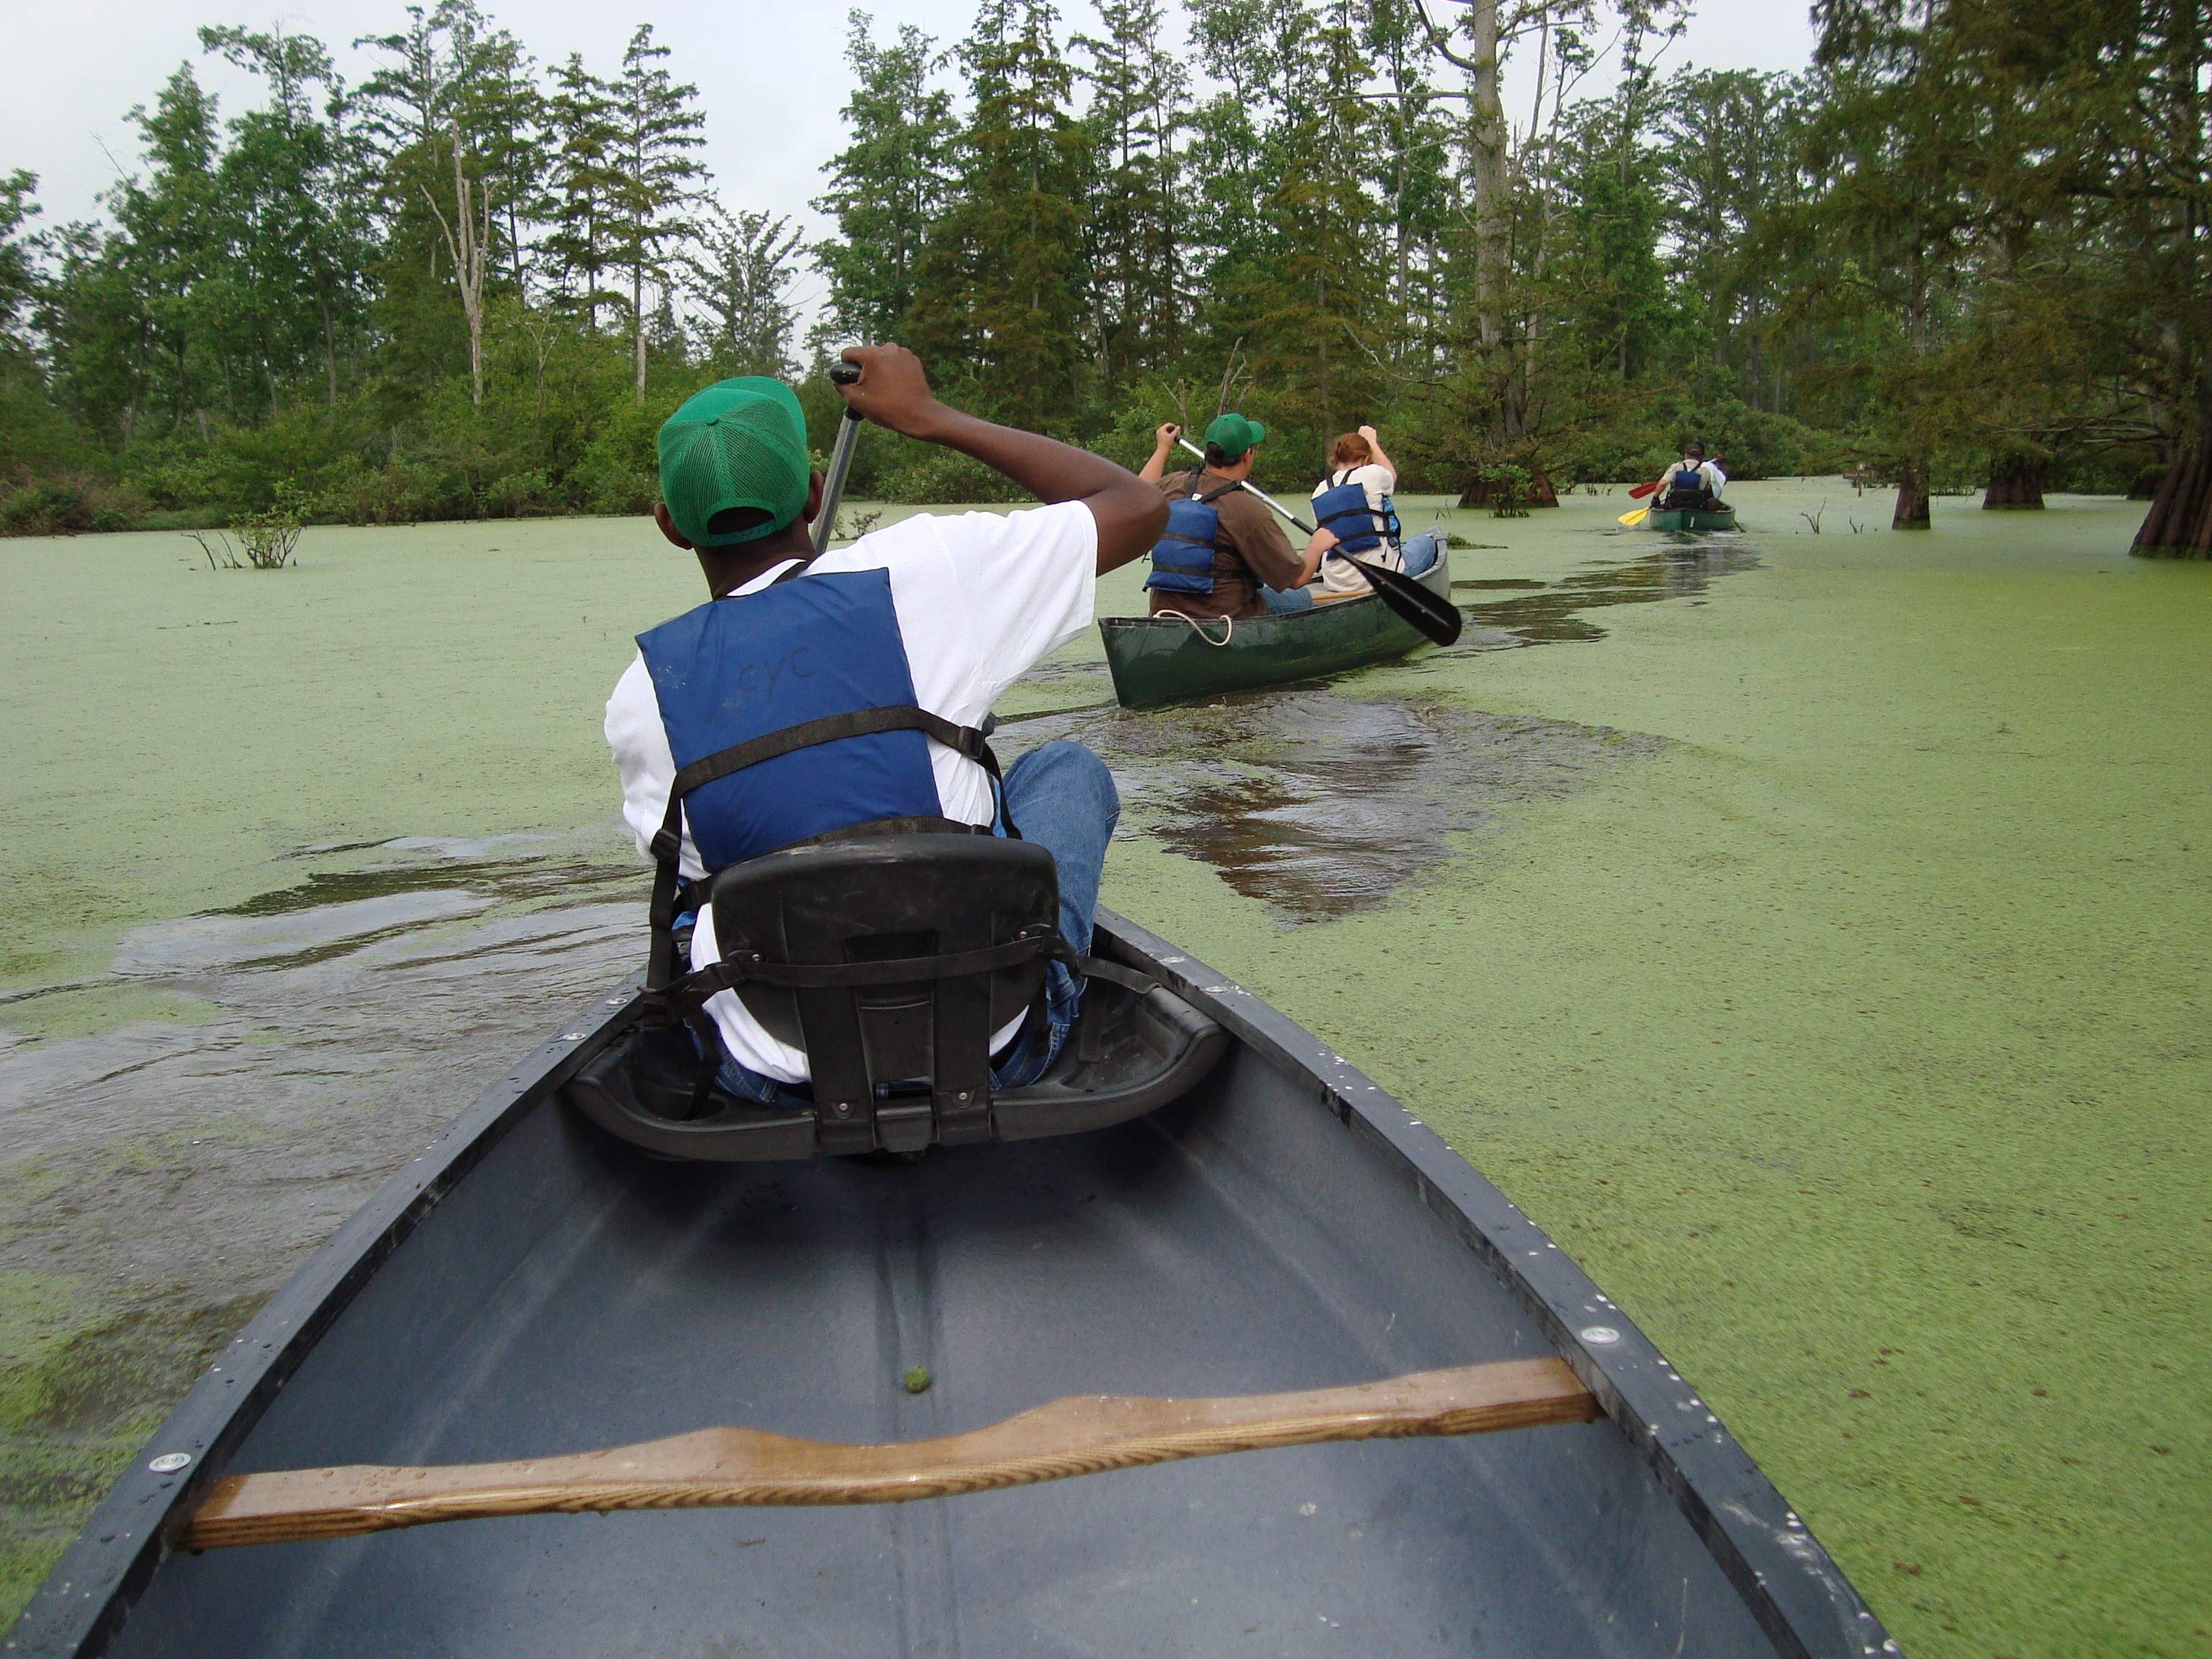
{"x": 1232, "y": 434}
{"x": 738, "y": 446}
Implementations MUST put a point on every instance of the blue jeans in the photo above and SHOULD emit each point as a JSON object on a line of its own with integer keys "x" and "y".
{"x": 1422, "y": 553}
{"x": 1061, "y": 796}
{"x": 1286, "y": 601}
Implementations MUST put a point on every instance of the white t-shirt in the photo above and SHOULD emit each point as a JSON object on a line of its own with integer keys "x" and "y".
{"x": 979, "y": 599}
{"x": 1337, "y": 575}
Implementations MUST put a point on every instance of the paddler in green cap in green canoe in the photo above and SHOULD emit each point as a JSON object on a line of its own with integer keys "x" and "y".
{"x": 931, "y": 617}
{"x": 1223, "y": 554}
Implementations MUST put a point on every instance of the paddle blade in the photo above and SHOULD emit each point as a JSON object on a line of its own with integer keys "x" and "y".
{"x": 1641, "y": 491}
{"x": 1631, "y": 520}
{"x": 1434, "y": 616}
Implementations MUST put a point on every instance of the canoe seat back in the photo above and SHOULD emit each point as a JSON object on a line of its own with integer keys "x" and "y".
{"x": 904, "y": 1050}
{"x": 896, "y": 1062}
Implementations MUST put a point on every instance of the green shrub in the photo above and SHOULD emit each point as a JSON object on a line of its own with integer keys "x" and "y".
{"x": 1510, "y": 486}
{"x": 73, "y": 504}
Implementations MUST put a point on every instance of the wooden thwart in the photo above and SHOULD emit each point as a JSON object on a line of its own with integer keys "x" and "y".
{"x": 713, "y": 1468}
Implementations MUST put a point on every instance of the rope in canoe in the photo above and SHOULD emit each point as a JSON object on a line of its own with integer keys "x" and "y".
{"x": 1228, "y": 626}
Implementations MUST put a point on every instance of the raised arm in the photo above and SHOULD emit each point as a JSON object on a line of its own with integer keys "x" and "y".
{"x": 893, "y": 391}
{"x": 1163, "y": 443}
{"x": 1375, "y": 446}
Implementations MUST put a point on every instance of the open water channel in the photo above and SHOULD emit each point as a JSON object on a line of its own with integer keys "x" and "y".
{"x": 1811, "y": 930}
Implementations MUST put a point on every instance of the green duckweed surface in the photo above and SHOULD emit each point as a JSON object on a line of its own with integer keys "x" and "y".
{"x": 1814, "y": 937}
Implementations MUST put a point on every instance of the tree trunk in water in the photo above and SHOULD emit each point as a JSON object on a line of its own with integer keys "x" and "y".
{"x": 2014, "y": 483}
{"x": 1542, "y": 492}
{"x": 2179, "y": 523}
{"x": 1912, "y": 499}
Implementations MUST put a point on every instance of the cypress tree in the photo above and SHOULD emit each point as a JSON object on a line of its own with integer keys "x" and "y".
{"x": 1000, "y": 284}
{"x": 888, "y": 185}
{"x": 578, "y": 249}
{"x": 654, "y": 179}
{"x": 1139, "y": 109}
{"x": 739, "y": 271}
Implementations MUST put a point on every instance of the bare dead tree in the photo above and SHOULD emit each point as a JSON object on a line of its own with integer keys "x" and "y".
{"x": 471, "y": 251}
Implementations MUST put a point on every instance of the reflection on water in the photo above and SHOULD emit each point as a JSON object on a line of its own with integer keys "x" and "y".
{"x": 1551, "y": 613}
{"x": 165, "y": 1176}
{"x": 1319, "y": 804}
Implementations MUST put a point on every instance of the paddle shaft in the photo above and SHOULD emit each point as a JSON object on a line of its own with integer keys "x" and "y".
{"x": 840, "y": 460}
{"x": 1435, "y": 618}
{"x": 733, "y": 1466}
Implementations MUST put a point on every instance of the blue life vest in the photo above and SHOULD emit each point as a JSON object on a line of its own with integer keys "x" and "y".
{"x": 1688, "y": 481}
{"x": 1342, "y": 509}
{"x": 1182, "y": 558}
{"x": 739, "y": 669}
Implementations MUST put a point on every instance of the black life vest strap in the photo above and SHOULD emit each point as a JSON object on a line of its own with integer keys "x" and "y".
{"x": 964, "y": 740}
{"x": 1207, "y": 498}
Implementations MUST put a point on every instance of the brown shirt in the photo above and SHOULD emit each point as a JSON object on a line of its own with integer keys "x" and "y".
{"x": 1250, "y": 549}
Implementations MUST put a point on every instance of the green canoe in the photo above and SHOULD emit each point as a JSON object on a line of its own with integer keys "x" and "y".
{"x": 1692, "y": 522}
{"x": 1162, "y": 659}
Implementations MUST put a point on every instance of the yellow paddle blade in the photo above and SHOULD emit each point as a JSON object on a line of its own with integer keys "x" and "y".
{"x": 1631, "y": 520}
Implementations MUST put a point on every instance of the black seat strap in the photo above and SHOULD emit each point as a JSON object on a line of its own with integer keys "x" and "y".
{"x": 660, "y": 970}
{"x": 742, "y": 965}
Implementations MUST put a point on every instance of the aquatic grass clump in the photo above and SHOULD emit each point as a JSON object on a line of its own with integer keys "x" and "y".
{"x": 268, "y": 539}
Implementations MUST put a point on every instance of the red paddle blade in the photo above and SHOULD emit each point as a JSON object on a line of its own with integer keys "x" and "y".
{"x": 1641, "y": 491}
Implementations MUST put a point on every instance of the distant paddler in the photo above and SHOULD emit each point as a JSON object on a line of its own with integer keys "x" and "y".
{"x": 1692, "y": 485}
{"x": 1353, "y": 514}
{"x": 1222, "y": 554}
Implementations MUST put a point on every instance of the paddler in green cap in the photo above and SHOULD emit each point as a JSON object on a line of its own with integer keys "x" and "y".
{"x": 1223, "y": 554}
{"x": 936, "y": 613}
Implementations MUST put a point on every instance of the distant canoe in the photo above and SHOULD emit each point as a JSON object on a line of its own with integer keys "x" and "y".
{"x": 1164, "y": 659}
{"x": 1691, "y": 522}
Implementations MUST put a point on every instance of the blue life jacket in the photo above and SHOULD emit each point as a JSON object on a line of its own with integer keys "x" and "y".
{"x": 1182, "y": 558}
{"x": 790, "y": 716}
{"x": 1342, "y": 508}
{"x": 1688, "y": 481}
{"x": 737, "y": 668}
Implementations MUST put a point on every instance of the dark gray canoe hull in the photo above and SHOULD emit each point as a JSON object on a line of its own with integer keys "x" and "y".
{"x": 1287, "y": 1226}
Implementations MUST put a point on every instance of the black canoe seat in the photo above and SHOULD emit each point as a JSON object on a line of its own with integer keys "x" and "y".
{"x": 892, "y": 960}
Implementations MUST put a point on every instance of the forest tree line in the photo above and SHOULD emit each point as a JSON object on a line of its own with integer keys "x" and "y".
{"x": 1965, "y": 248}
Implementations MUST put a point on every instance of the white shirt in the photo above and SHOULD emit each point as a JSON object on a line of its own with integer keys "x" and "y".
{"x": 979, "y": 599}
{"x": 1338, "y": 576}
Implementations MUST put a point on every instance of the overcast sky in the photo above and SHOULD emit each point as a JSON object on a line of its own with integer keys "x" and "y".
{"x": 770, "y": 72}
